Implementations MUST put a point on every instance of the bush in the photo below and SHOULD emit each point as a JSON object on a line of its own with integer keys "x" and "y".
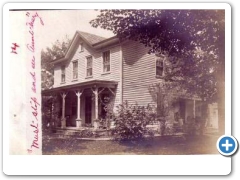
{"x": 131, "y": 121}
{"x": 162, "y": 126}
{"x": 194, "y": 126}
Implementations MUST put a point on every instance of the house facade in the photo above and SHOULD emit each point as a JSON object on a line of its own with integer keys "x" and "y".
{"x": 97, "y": 71}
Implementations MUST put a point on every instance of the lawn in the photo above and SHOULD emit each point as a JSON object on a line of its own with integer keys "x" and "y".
{"x": 168, "y": 145}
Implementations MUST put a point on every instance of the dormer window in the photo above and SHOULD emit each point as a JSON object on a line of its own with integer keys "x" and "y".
{"x": 75, "y": 69}
{"x": 159, "y": 66}
{"x": 63, "y": 74}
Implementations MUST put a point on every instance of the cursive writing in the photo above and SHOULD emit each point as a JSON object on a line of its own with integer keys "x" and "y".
{"x": 34, "y": 124}
{"x": 33, "y": 82}
{"x": 30, "y": 24}
{"x": 34, "y": 103}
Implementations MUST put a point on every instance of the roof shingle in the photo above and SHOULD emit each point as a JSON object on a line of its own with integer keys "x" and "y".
{"x": 91, "y": 38}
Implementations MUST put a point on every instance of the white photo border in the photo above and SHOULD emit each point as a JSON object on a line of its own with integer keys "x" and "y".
{"x": 114, "y": 164}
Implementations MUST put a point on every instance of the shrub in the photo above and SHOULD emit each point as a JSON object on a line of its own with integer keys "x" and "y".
{"x": 162, "y": 126}
{"x": 131, "y": 121}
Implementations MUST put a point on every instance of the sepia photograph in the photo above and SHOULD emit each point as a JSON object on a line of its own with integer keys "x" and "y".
{"x": 132, "y": 81}
{"x": 112, "y": 89}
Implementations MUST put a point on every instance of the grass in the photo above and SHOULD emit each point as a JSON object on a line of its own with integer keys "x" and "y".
{"x": 165, "y": 145}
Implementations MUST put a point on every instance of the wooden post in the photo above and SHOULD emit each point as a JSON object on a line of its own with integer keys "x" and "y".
{"x": 194, "y": 109}
{"x": 63, "y": 120}
{"x": 96, "y": 103}
{"x": 78, "y": 120}
{"x": 95, "y": 91}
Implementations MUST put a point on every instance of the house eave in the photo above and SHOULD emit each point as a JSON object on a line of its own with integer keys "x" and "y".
{"x": 81, "y": 85}
{"x": 108, "y": 42}
{"x": 102, "y": 44}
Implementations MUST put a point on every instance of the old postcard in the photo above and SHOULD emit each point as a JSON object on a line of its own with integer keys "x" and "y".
{"x": 103, "y": 79}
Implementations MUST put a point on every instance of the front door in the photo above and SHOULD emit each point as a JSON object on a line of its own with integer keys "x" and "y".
{"x": 88, "y": 110}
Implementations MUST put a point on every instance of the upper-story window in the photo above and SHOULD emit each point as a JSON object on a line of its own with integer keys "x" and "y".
{"x": 63, "y": 73}
{"x": 81, "y": 47}
{"x": 75, "y": 69}
{"x": 106, "y": 61}
{"x": 159, "y": 66}
{"x": 89, "y": 66}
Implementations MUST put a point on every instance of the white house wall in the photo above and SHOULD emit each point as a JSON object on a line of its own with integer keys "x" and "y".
{"x": 139, "y": 72}
{"x": 113, "y": 75}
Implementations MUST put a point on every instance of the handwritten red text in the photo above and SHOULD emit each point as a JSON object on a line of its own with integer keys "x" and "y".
{"x": 34, "y": 103}
{"x": 14, "y": 48}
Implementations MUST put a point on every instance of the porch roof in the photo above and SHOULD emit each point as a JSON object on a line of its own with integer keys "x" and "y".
{"x": 82, "y": 85}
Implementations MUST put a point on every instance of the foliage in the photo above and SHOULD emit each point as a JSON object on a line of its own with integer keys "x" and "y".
{"x": 195, "y": 37}
{"x": 50, "y": 111}
{"x": 165, "y": 96}
{"x": 108, "y": 103}
{"x": 194, "y": 126}
{"x": 193, "y": 42}
{"x": 85, "y": 133}
{"x": 131, "y": 121}
{"x": 57, "y": 51}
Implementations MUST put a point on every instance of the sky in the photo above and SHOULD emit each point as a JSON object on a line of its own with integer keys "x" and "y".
{"x": 59, "y": 23}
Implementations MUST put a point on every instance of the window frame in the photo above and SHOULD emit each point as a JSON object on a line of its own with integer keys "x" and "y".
{"x": 87, "y": 66}
{"x": 63, "y": 69}
{"x": 162, "y": 58}
{"x": 81, "y": 47}
{"x": 73, "y": 70}
{"x": 106, "y": 72}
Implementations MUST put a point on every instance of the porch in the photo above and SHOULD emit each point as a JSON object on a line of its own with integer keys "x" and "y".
{"x": 81, "y": 105}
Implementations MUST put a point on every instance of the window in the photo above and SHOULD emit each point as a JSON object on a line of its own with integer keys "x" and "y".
{"x": 89, "y": 66}
{"x": 81, "y": 47}
{"x": 106, "y": 61}
{"x": 63, "y": 74}
{"x": 159, "y": 67}
{"x": 75, "y": 70}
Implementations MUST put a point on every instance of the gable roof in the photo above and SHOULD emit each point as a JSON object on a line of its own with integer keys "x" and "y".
{"x": 91, "y": 38}
{"x": 96, "y": 42}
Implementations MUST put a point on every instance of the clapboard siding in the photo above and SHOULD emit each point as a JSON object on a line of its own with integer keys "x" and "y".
{"x": 138, "y": 73}
{"x": 114, "y": 74}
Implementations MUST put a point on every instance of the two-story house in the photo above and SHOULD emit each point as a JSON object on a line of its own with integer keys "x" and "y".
{"x": 96, "y": 69}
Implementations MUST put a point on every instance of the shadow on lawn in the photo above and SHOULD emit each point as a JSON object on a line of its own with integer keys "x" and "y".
{"x": 171, "y": 145}
{"x": 151, "y": 141}
{"x": 62, "y": 146}
{"x": 164, "y": 145}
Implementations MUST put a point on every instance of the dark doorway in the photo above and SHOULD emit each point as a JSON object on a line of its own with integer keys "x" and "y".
{"x": 182, "y": 105}
{"x": 88, "y": 110}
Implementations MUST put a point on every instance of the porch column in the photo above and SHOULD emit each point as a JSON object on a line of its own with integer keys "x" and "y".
{"x": 63, "y": 120}
{"x": 194, "y": 108}
{"x": 95, "y": 91}
{"x": 96, "y": 103}
{"x": 79, "y": 120}
{"x": 52, "y": 123}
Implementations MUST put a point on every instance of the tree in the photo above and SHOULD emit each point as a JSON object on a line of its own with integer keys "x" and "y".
{"x": 57, "y": 51}
{"x": 165, "y": 97}
{"x": 193, "y": 42}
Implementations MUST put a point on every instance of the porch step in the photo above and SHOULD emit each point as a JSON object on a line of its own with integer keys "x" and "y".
{"x": 81, "y": 133}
